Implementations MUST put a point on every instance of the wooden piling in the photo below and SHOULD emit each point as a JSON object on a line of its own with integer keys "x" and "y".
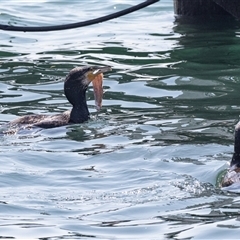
{"x": 199, "y": 8}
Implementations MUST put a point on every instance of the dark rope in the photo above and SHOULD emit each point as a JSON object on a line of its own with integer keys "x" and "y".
{"x": 78, "y": 24}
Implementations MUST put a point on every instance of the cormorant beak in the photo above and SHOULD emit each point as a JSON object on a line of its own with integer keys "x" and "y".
{"x": 96, "y": 76}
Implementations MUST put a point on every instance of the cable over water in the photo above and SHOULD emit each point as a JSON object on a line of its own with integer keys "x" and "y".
{"x": 78, "y": 24}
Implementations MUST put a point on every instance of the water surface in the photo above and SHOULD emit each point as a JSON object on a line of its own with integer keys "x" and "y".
{"x": 146, "y": 166}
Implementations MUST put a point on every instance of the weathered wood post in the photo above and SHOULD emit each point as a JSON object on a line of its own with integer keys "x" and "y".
{"x": 231, "y": 6}
{"x": 199, "y": 8}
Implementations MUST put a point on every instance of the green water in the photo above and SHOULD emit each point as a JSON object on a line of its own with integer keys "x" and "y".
{"x": 145, "y": 166}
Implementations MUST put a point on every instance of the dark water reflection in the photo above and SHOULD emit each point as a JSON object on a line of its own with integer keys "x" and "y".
{"x": 146, "y": 166}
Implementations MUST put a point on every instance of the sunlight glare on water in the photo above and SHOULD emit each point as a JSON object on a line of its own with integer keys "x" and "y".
{"x": 145, "y": 166}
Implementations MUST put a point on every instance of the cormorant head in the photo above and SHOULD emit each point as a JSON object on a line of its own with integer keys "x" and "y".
{"x": 77, "y": 81}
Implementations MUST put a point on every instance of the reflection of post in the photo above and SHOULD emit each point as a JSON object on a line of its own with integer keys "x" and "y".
{"x": 206, "y": 43}
{"x": 198, "y": 7}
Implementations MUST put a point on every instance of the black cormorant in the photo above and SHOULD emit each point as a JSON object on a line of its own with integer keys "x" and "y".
{"x": 75, "y": 86}
{"x": 233, "y": 173}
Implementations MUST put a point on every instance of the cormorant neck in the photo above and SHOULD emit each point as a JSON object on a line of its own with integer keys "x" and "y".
{"x": 79, "y": 112}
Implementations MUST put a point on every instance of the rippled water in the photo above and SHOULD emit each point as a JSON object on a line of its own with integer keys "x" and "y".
{"x": 146, "y": 166}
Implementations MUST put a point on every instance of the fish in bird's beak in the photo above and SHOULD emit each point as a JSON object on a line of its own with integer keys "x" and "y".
{"x": 97, "y": 79}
